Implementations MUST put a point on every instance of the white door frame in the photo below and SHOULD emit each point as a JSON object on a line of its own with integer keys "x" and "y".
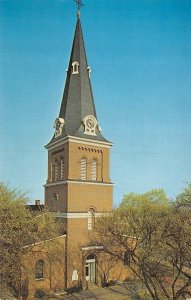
{"x": 88, "y": 268}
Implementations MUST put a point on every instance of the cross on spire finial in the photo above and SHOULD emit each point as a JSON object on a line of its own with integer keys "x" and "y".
{"x": 79, "y": 4}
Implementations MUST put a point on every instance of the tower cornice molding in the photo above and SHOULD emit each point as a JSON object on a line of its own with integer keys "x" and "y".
{"x": 78, "y": 140}
{"x": 86, "y": 182}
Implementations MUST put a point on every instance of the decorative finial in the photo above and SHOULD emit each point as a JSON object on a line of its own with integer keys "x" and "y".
{"x": 79, "y": 5}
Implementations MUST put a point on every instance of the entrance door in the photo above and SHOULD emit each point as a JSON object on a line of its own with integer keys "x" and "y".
{"x": 90, "y": 270}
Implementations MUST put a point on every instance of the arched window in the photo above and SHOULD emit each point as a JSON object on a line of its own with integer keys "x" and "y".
{"x": 83, "y": 168}
{"x": 56, "y": 170}
{"x": 62, "y": 168}
{"x": 39, "y": 269}
{"x": 55, "y": 197}
{"x": 94, "y": 169}
{"x": 75, "y": 67}
{"x": 127, "y": 258}
{"x": 91, "y": 219}
{"x": 51, "y": 172}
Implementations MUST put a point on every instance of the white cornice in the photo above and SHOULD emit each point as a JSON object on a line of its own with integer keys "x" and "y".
{"x": 78, "y": 182}
{"x": 45, "y": 241}
{"x": 90, "y": 142}
{"x": 55, "y": 183}
{"x": 72, "y": 215}
{"x": 73, "y": 139}
{"x": 91, "y": 248}
{"x": 76, "y": 215}
{"x": 58, "y": 143}
{"x": 89, "y": 182}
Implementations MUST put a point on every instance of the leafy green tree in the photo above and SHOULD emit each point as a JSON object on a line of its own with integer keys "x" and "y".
{"x": 153, "y": 197}
{"x": 157, "y": 237}
{"x": 19, "y": 228}
{"x": 184, "y": 199}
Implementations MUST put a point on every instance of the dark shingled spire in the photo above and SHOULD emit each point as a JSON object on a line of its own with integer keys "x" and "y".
{"x": 77, "y": 101}
{"x": 78, "y": 98}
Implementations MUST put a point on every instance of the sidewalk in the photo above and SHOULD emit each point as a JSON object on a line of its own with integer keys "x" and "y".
{"x": 117, "y": 292}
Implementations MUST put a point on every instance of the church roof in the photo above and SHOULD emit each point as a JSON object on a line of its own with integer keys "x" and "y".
{"x": 77, "y": 101}
{"x": 35, "y": 207}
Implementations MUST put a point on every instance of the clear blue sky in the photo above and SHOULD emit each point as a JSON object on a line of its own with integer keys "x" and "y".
{"x": 140, "y": 55}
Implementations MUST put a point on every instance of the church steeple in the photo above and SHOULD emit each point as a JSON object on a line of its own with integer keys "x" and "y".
{"x": 78, "y": 98}
{"x": 77, "y": 115}
{"x": 78, "y": 186}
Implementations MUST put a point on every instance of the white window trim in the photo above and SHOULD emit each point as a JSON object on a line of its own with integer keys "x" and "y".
{"x": 94, "y": 170}
{"x": 56, "y": 170}
{"x": 91, "y": 219}
{"x": 75, "y": 64}
{"x": 83, "y": 169}
{"x": 62, "y": 168}
{"x": 89, "y": 71}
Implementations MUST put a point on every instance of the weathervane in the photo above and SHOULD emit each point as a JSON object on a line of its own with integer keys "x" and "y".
{"x": 79, "y": 5}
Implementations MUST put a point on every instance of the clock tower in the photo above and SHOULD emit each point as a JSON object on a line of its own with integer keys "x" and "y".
{"x": 78, "y": 186}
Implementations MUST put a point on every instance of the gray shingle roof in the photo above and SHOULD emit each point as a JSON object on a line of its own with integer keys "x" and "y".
{"x": 77, "y": 101}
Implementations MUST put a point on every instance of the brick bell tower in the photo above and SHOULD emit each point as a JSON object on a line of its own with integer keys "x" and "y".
{"x": 78, "y": 186}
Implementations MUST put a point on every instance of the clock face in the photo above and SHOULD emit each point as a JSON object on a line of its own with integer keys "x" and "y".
{"x": 58, "y": 125}
{"x": 90, "y": 123}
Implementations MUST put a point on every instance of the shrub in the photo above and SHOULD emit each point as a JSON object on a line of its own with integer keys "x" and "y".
{"x": 40, "y": 293}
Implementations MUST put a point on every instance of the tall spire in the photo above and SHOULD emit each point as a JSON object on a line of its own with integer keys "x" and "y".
{"x": 78, "y": 13}
{"x": 79, "y": 5}
{"x": 77, "y": 115}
